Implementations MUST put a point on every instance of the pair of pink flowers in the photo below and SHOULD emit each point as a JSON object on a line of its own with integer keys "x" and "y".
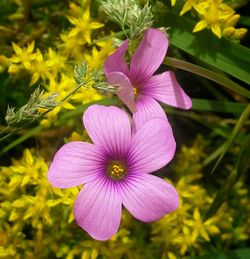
{"x": 115, "y": 169}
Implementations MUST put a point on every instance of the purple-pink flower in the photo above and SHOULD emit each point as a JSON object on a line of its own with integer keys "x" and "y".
{"x": 138, "y": 87}
{"x": 115, "y": 171}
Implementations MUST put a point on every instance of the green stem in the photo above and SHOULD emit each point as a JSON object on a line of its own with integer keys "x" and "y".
{"x": 241, "y": 122}
{"x": 117, "y": 34}
{"x": 44, "y": 113}
{"x": 217, "y": 78}
{"x": 21, "y": 139}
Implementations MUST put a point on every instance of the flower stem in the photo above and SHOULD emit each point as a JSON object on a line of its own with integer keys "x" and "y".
{"x": 67, "y": 96}
{"x": 201, "y": 71}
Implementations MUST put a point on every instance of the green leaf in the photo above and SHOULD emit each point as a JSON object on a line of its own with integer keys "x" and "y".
{"x": 242, "y": 120}
{"x": 212, "y": 156}
{"x": 234, "y": 176}
{"x": 222, "y": 54}
{"x": 244, "y": 20}
{"x": 198, "y": 70}
{"x": 217, "y": 106}
{"x": 220, "y": 130}
{"x": 21, "y": 139}
{"x": 241, "y": 253}
{"x": 221, "y": 195}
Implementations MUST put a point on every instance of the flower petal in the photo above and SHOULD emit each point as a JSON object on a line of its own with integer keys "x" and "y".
{"x": 116, "y": 62}
{"x": 200, "y": 26}
{"x": 165, "y": 88}
{"x": 216, "y": 30}
{"x": 148, "y": 197}
{"x": 125, "y": 89}
{"x": 75, "y": 163}
{"x": 97, "y": 209}
{"x": 109, "y": 128}
{"x": 152, "y": 147}
{"x": 146, "y": 109}
{"x": 149, "y": 56}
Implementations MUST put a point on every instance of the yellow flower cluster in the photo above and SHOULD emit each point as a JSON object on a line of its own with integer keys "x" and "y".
{"x": 27, "y": 201}
{"x": 184, "y": 231}
{"x": 54, "y": 67}
{"x": 215, "y": 15}
{"x": 36, "y": 219}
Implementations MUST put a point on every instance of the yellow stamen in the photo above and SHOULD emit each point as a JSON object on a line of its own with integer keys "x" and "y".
{"x": 116, "y": 170}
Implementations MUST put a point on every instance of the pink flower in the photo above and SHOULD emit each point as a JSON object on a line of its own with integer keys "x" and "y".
{"x": 115, "y": 171}
{"x": 138, "y": 88}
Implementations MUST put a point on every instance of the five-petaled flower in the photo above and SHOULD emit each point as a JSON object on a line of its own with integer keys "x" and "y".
{"x": 115, "y": 171}
{"x": 138, "y": 87}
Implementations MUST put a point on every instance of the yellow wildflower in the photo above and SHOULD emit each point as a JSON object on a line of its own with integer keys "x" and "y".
{"x": 7, "y": 252}
{"x": 213, "y": 16}
{"x": 79, "y": 137}
{"x": 23, "y": 172}
{"x": 23, "y": 56}
{"x": 229, "y": 31}
{"x": 66, "y": 197}
{"x": 86, "y": 94}
{"x": 98, "y": 57}
{"x": 34, "y": 207}
{"x": 50, "y": 117}
{"x": 196, "y": 4}
{"x": 171, "y": 255}
{"x": 62, "y": 87}
{"x": 184, "y": 240}
{"x": 173, "y": 2}
{"x": 55, "y": 61}
{"x": 39, "y": 69}
{"x": 72, "y": 47}
{"x": 76, "y": 137}
{"x": 83, "y": 26}
{"x": 201, "y": 228}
